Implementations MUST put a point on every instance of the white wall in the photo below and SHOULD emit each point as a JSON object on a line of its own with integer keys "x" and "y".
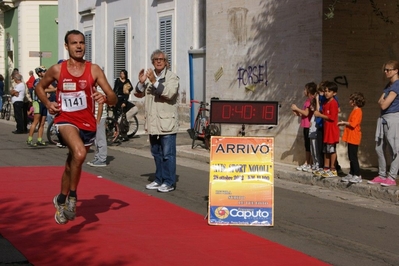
{"x": 142, "y": 18}
{"x": 283, "y": 36}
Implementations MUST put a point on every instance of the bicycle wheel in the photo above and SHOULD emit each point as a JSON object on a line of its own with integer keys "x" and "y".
{"x": 52, "y": 135}
{"x": 8, "y": 111}
{"x": 196, "y": 129}
{"x": 211, "y": 130}
{"x": 111, "y": 130}
{"x": 133, "y": 127}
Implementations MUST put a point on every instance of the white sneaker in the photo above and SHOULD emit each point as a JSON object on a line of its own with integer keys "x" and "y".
{"x": 313, "y": 168}
{"x": 306, "y": 168}
{"x": 165, "y": 188}
{"x": 346, "y": 178}
{"x": 300, "y": 168}
{"x": 153, "y": 185}
{"x": 356, "y": 179}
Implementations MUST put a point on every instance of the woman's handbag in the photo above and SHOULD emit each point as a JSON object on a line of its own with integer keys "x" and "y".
{"x": 126, "y": 88}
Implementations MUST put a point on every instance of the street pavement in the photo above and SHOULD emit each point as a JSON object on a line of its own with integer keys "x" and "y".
{"x": 139, "y": 145}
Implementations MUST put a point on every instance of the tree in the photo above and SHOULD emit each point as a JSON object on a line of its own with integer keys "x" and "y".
{"x": 376, "y": 10}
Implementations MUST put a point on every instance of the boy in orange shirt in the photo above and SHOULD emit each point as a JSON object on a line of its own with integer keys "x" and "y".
{"x": 353, "y": 135}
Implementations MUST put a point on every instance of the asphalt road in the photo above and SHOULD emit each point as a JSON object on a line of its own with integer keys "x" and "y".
{"x": 336, "y": 227}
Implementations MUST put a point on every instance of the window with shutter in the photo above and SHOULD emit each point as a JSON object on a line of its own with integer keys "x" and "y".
{"x": 88, "y": 44}
{"x": 120, "y": 53}
{"x": 165, "y": 36}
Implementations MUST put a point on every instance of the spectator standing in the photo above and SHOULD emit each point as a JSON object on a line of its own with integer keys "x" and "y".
{"x": 14, "y": 71}
{"x": 1, "y": 91}
{"x": 74, "y": 118}
{"x": 330, "y": 130}
{"x": 314, "y": 150}
{"x": 17, "y": 99}
{"x": 306, "y": 113}
{"x": 30, "y": 83}
{"x": 40, "y": 112}
{"x": 387, "y": 131}
{"x": 160, "y": 88}
{"x": 100, "y": 156}
{"x": 353, "y": 135}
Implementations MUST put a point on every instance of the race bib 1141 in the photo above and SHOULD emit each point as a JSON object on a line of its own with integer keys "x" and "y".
{"x": 73, "y": 101}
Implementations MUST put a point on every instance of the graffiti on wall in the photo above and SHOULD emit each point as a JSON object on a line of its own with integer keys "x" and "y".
{"x": 252, "y": 75}
{"x": 341, "y": 80}
{"x": 238, "y": 24}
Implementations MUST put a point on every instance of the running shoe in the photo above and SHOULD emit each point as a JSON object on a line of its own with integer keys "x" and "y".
{"x": 59, "y": 145}
{"x": 41, "y": 143}
{"x": 59, "y": 214}
{"x": 97, "y": 164}
{"x": 330, "y": 173}
{"x": 307, "y": 168}
{"x": 153, "y": 185}
{"x": 388, "y": 182}
{"x": 165, "y": 188}
{"x": 301, "y": 167}
{"x": 31, "y": 144}
{"x": 70, "y": 208}
{"x": 377, "y": 180}
{"x": 91, "y": 162}
{"x": 313, "y": 169}
{"x": 346, "y": 178}
{"x": 319, "y": 172}
{"x": 356, "y": 179}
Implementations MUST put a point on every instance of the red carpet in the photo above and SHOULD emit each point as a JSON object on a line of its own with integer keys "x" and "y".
{"x": 116, "y": 225}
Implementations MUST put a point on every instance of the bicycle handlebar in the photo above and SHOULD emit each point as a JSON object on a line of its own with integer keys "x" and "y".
{"x": 201, "y": 103}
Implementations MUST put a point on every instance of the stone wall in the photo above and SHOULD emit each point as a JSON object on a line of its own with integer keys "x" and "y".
{"x": 293, "y": 43}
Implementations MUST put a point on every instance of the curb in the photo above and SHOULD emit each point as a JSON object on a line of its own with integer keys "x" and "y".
{"x": 284, "y": 171}
{"x": 288, "y": 172}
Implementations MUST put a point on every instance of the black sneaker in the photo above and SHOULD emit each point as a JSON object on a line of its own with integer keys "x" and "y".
{"x": 41, "y": 143}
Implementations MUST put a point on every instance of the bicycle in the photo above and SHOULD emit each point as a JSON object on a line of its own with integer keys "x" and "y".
{"x": 111, "y": 130}
{"x": 6, "y": 110}
{"x": 123, "y": 129}
{"x": 51, "y": 133}
{"x": 203, "y": 129}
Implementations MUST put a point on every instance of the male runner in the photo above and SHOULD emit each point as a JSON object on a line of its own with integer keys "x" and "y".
{"x": 74, "y": 115}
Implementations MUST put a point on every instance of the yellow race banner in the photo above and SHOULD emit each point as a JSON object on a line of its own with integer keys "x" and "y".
{"x": 241, "y": 181}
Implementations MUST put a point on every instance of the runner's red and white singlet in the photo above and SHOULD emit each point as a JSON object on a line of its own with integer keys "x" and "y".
{"x": 74, "y": 97}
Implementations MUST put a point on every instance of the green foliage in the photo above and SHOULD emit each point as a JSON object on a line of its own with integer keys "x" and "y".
{"x": 376, "y": 10}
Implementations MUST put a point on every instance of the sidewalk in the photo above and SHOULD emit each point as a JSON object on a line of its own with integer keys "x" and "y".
{"x": 281, "y": 170}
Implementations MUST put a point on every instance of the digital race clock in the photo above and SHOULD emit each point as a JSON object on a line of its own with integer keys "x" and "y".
{"x": 244, "y": 112}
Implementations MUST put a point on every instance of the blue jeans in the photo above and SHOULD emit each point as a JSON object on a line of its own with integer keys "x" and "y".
{"x": 163, "y": 149}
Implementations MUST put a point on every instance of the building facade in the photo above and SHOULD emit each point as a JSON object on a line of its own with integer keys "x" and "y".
{"x": 256, "y": 50}
{"x": 28, "y": 34}
{"x": 123, "y": 34}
